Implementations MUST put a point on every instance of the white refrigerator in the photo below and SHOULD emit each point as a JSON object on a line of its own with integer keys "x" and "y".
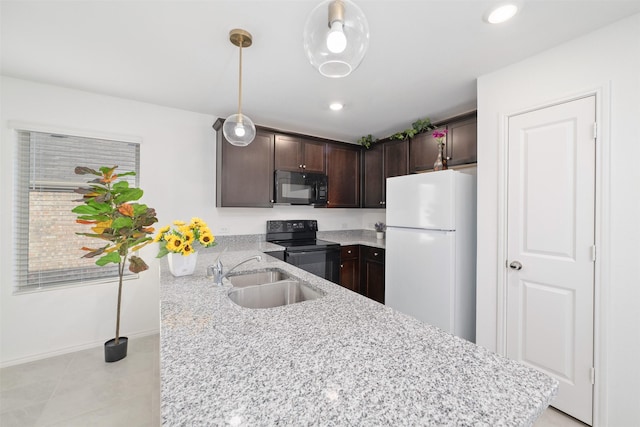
{"x": 430, "y": 269}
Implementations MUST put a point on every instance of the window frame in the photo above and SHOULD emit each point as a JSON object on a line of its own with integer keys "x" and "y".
{"x": 21, "y": 286}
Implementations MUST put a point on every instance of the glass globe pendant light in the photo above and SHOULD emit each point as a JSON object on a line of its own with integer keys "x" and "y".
{"x": 238, "y": 129}
{"x": 336, "y": 37}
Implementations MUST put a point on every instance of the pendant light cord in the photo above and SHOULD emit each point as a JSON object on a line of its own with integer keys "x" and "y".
{"x": 240, "y": 84}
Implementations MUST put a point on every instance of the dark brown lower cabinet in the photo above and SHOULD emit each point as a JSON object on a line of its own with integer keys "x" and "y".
{"x": 350, "y": 267}
{"x": 362, "y": 270}
{"x": 372, "y": 273}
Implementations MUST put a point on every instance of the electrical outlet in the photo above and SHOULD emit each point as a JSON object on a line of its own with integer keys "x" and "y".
{"x": 224, "y": 230}
{"x": 344, "y": 225}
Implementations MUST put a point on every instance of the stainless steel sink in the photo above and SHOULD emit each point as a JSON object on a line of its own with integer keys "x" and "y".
{"x": 274, "y": 294}
{"x": 252, "y": 278}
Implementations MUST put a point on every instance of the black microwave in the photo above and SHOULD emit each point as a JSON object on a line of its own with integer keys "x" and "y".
{"x": 300, "y": 188}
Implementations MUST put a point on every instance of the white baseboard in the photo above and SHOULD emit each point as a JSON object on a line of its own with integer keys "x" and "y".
{"x": 71, "y": 349}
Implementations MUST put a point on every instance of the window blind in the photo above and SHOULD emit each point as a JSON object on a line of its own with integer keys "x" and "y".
{"x": 47, "y": 251}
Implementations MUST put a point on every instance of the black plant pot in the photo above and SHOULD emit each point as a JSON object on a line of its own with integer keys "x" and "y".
{"x": 114, "y": 352}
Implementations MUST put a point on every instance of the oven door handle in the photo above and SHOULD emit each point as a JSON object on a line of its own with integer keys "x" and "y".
{"x": 304, "y": 252}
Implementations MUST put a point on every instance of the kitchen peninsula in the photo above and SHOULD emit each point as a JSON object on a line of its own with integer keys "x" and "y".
{"x": 341, "y": 359}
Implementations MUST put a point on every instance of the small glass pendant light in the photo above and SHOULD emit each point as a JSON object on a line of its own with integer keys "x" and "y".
{"x": 238, "y": 129}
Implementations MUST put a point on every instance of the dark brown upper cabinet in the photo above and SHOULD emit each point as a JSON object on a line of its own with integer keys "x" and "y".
{"x": 396, "y": 158}
{"x": 462, "y": 141}
{"x": 343, "y": 174}
{"x": 460, "y": 144}
{"x": 373, "y": 177}
{"x": 382, "y": 161}
{"x": 357, "y": 177}
{"x": 294, "y": 153}
{"x": 423, "y": 150}
{"x": 244, "y": 175}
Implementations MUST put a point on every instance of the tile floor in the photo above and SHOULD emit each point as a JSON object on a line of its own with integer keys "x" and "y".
{"x": 80, "y": 389}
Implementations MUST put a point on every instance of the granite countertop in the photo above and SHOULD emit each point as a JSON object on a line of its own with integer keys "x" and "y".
{"x": 339, "y": 360}
{"x": 343, "y": 237}
{"x": 352, "y": 237}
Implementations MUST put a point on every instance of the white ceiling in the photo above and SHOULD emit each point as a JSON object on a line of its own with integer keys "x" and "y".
{"x": 423, "y": 59}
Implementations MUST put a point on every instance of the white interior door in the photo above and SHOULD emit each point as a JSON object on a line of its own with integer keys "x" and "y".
{"x": 550, "y": 247}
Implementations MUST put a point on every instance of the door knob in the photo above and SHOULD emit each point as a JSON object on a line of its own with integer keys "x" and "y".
{"x": 515, "y": 265}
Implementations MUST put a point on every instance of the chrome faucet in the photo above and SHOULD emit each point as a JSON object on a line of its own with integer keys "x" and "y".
{"x": 216, "y": 270}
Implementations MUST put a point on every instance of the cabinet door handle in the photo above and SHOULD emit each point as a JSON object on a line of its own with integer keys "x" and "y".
{"x": 380, "y": 202}
{"x": 341, "y": 265}
{"x": 300, "y": 166}
{"x": 375, "y": 254}
{"x": 349, "y": 252}
{"x": 304, "y": 166}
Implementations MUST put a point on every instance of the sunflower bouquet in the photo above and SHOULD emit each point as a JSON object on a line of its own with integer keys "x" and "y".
{"x": 183, "y": 237}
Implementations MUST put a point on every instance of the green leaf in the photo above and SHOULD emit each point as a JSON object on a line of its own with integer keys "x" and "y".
{"x": 98, "y": 206}
{"x": 99, "y": 218}
{"x": 139, "y": 241}
{"x": 132, "y": 173}
{"x": 90, "y": 235}
{"x": 120, "y": 186}
{"x": 139, "y": 209}
{"x": 128, "y": 195}
{"x": 162, "y": 251}
{"x": 122, "y": 222}
{"x": 113, "y": 257}
{"x": 85, "y": 210}
{"x": 105, "y": 169}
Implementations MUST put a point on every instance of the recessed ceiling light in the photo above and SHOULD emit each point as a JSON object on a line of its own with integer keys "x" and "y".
{"x": 336, "y": 106}
{"x": 502, "y": 13}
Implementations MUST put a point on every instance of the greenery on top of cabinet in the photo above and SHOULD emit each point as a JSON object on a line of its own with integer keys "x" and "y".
{"x": 367, "y": 141}
{"x": 417, "y": 127}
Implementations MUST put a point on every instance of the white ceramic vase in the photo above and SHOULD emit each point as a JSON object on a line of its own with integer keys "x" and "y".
{"x": 380, "y": 235}
{"x": 180, "y": 265}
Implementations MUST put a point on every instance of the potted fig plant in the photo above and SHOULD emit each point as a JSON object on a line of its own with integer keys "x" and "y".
{"x": 122, "y": 226}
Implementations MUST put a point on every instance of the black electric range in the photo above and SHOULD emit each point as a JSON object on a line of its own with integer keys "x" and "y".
{"x": 303, "y": 249}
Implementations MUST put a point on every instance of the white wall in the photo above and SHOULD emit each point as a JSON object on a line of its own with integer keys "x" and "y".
{"x": 607, "y": 60}
{"x": 178, "y": 177}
